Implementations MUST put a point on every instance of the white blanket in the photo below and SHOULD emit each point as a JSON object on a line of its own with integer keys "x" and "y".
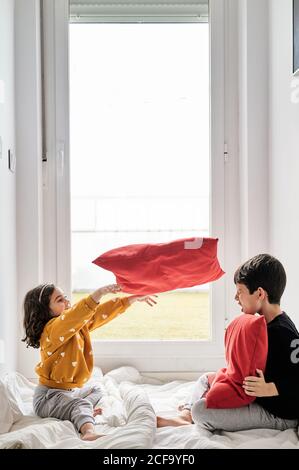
{"x": 128, "y": 420}
{"x": 130, "y": 404}
{"x": 165, "y": 400}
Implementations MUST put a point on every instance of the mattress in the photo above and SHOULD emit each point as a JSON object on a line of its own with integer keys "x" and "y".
{"x": 130, "y": 404}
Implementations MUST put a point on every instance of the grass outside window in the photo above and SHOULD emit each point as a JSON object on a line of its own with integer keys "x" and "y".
{"x": 177, "y": 316}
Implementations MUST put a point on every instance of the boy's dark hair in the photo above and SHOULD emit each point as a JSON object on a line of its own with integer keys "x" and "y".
{"x": 36, "y": 313}
{"x": 263, "y": 271}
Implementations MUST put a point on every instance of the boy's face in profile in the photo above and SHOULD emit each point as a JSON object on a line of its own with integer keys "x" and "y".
{"x": 250, "y": 303}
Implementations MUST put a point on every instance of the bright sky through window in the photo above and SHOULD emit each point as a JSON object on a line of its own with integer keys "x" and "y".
{"x": 140, "y": 126}
{"x": 139, "y": 109}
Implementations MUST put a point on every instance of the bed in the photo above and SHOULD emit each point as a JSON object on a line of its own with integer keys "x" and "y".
{"x": 130, "y": 403}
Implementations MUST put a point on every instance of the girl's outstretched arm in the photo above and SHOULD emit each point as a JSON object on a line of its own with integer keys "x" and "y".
{"x": 107, "y": 311}
{"x": 110, "y": 289}
{"x": 61, "y": 328}
{"x": 149, "y": 299}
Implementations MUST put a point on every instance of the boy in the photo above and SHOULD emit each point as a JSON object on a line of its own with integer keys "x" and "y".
{"x": 260, "y": 283}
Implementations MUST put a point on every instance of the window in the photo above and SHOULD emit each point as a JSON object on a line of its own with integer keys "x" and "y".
{"x": 139, "y": 153}
{"x": 146, "y": 161}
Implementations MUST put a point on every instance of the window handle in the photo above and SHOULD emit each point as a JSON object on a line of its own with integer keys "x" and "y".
{"x": 60, "y": 159}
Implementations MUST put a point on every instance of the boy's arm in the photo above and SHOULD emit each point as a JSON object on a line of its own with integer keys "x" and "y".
{"x": 286, "y": 381}
{"x": 258, "y": 387}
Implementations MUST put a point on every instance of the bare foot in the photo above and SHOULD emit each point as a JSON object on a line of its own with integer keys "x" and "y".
{"x": 181, "y": 420}
{"x": 97, "y": 411}
{"x": 91, "y": 436}
{"x": 181, "y": 407}
{"x": 88, "y": 433}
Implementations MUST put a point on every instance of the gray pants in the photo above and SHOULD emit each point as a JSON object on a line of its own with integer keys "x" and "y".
{"x": 199, "y": 389}
{"x": 74, "y": 405}
{"x": 251, "y": 416}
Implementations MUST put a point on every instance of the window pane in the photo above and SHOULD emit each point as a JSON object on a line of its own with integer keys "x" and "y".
{"x": 139, "y": 115}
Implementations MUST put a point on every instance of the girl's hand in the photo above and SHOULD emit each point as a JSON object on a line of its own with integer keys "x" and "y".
{"x": 143, "y": 298}
{"x": 110, "y": 289}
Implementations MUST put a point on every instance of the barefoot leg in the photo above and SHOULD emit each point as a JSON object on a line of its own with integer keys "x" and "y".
{"x": 184, "y": 407}
{"x": 88, "y": 432}
{"x": 182, "y": 420}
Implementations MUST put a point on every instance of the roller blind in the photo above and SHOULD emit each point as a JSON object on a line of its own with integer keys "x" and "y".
{"x": 147, "y": 11}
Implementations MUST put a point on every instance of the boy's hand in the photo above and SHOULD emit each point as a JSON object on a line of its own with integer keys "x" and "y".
{"x": 143, "y": 298}
{"x": 257, "y": 387}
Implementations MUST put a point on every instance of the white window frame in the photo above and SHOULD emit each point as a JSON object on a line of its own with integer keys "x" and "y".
{"x": 148, "y": 355}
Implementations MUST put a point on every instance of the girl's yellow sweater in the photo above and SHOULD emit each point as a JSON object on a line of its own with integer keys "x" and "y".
{"x": 66, "y": 352}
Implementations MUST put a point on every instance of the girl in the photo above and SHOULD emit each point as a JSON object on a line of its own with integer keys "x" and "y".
{"x": 62, "y": 333}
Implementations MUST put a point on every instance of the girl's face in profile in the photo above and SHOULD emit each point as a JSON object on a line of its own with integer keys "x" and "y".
{"x": 58, "y": 302}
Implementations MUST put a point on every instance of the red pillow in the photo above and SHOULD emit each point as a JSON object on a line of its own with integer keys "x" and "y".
{"x": 150, "y": 268}
{"x": 246, "y": 348}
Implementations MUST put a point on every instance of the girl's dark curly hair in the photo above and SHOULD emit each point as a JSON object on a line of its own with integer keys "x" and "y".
{"x": 36, "y": 313}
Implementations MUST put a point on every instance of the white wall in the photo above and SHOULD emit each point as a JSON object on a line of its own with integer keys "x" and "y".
{"x": 232, "y": 169}
{"x": 254, "y": 125}
{"x": 258, "y": 84}
{"x": 29, "y": 145}
{"x": 284, "y": 152}
{"x": 8, "y": 283}
{"x": 269, "y": 138}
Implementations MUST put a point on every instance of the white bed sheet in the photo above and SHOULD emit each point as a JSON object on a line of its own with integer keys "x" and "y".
{"x": 131, "y": 402}
{"x": 166, "y": 398}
